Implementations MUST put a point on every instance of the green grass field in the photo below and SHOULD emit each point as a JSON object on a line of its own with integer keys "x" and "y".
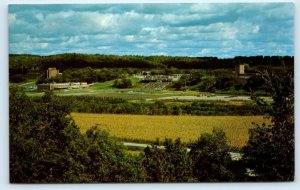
{"x": 145, "y": 128}
{"x": 103, "y": 85}
{"x": 106, "y": 89}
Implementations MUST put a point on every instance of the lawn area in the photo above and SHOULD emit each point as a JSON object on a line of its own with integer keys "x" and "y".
{"x": 108, "y": 85}
{"x": 102, "y": 85}
{"x": 188, "y": 128}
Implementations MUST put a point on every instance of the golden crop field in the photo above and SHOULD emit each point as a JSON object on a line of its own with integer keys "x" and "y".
{"x": 188, "y": 128}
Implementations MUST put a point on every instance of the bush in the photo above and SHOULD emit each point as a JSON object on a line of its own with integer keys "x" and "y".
{"x": 210, "y": 158}
{"x": 168, "y": 164}
{"x": 123, "y": 83}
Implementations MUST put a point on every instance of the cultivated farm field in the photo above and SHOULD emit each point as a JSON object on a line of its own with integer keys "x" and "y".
{"x": 146, "y": 128}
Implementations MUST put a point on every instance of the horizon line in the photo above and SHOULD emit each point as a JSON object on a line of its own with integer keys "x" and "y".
{"x": 137, "y": 55}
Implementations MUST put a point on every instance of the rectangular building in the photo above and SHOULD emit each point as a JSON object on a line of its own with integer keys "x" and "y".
{"x": 52, "y": 72}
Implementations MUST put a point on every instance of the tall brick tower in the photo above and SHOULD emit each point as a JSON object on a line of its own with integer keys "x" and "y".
{"x": 52, "y": 72}
{"x": 240, "y": 69}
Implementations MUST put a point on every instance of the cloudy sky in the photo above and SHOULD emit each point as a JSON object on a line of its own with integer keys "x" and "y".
{"x": 221, "y": 30}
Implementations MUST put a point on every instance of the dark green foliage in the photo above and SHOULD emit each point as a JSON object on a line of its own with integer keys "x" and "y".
{"x": 92, "y": 104}
{"x": 38, "y": 138}
{"x": 207, "y": 83}
{"x": 265, "y": 60}
{"x": 21, "y": 67}
{"x": 196, "y": 80}
{"x": 219, "y": 80}
{"x": 86, "y": 74}
{"x": 16, "y": 78}
{"x": 123, "y": 83}
{"x": 169, "y": 163}
{"x": 106, "y": 161}
{"x": 219, "y": 108}
{"x": 210, "y": 158}
{"x": 75, "y": 60}
{"x": 270, "y": 150}
{"x": 46, "y": 146}
{"x": 255, "y": 83}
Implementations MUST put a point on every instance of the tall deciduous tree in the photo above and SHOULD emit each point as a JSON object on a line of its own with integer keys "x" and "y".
{"x": 169, "y": 163}
{"x": 270, "y": 150}
{"x": 210, "y": 158}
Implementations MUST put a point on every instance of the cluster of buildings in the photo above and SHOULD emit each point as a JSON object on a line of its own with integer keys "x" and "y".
{"x": 147, "y": 76}
{"x": 60, "y": 86}
{"x": 53, "y": 72}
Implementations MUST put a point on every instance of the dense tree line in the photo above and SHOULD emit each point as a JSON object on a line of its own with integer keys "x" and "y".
{"x": 21, "y": 65}
{"x": 88, "y": 75}
{"x": 73, "y": 60}
{"x": 265, "y": 60}
{"x": 92, "y": 104}
{"x": 220, "y": 81}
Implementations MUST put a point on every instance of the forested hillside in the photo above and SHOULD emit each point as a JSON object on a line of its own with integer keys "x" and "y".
{"x": 20, "y": 66}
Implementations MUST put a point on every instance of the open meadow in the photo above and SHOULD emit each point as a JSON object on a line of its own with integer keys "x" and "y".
{"x": 146, "y": 128}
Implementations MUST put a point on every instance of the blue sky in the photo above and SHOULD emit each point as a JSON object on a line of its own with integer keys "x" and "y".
{"x": 220, "y": 30}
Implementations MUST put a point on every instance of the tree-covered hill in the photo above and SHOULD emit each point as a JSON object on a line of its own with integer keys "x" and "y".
{"x": 20, "y": 66}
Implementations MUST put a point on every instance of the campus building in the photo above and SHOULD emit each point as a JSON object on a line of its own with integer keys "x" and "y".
{"x": 240, "y": 69}
{"x": 61, "y": 86}
{"x": 52, "y": 72}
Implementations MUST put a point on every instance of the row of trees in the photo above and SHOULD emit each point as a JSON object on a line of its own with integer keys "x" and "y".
{"x": 99, "y": 61}
{"x": 90, "y": 104}
{"x": 87, "y": 74}
{"x": 220, "y": 80}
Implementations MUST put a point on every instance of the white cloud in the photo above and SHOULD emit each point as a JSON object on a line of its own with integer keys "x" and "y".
{"x": 205, "y": 51}
{"x": 202, "y": 8}
{"x": 256, "y": 29}
{"x": 42, "y": 45}
{"x": 130, "y": 38}
{"x": 14, "y": 21}
{"x": 104, "y": 47}
{"x": 182, "y": 29}
{"x": 58, "y": 16}
{"x": 12, "y": 18}
{"x": 39, "y": 16}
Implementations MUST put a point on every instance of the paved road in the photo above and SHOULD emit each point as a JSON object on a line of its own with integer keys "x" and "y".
{"x": 233, "y": 155}
{"x": 218, "y": 97}
{"x": 141, "y": 93}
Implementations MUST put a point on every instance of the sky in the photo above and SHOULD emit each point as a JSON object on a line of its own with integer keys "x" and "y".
{"x": 196, "y": 30}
